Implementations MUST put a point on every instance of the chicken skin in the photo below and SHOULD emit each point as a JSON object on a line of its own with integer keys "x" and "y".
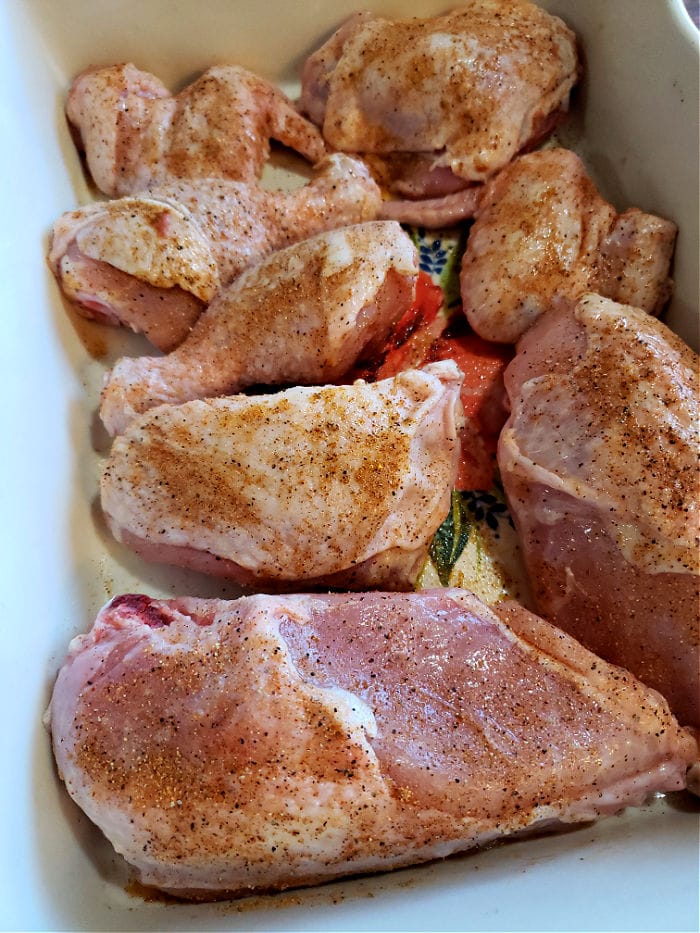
{"x": 267, "y": 742}
{"x": 543, "y": 234}
{"x": 331, "y": 486}
{"x": 437, "y": 106}
{"x": 599, "y": 463}
{"x": 136, "y": 135}
{"x": 153, "y": 262}
{"x": 304, "y": 316}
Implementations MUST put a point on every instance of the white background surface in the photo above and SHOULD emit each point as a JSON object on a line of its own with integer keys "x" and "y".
{"x": 637, "y": 127}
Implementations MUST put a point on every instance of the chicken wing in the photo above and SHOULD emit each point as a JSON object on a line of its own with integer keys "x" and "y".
{"x": 135, "y": 134}
{"x": 438, "y": 105}
{"x": 224, "y": 747}
{"x": 543, "y": 234}
{"x": 153, "y": 262}
{"x": 332, "y": 486}
{"x": 599, "y": 463}
{"x": 303, "y": 316}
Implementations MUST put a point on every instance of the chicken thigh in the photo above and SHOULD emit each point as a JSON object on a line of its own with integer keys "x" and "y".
{"x": 155, "y": 261}
{"x": 438, "y": 105}
{"x": 599, "y": 461}
{"x": 301, "y": 738}
{"x": 303, "y": 316}
{"x": 135, "y": 134}
{"x": 332, "y": 486}
{"x": 544, "y": 234}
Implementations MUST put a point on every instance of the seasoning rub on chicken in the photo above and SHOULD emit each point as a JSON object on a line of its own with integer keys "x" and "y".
{"x": 135, "y": 134}
{"x": 437, "y": 106}
{"x": 544, "y": 235}
{"x": 153, "y": 262}
{"x": 599, "y": 460}
{"x": 331, "y": 486}
{"x": 303, "y": 316}
{"x": 227, "y": 747}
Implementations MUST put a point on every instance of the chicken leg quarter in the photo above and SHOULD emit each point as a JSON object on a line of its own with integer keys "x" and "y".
{"x": 303, "y": 316}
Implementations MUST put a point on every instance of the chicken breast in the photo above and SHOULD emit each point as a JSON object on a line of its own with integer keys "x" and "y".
{"x": 332, "y": 486}
{"x": 599, "y": 461}
{"x": 305, "y": 737}
{"x": 153, "y": 262}
{"x": 438, "y": 105}
{"x": 544, "y": 234}
{"x": 135, "y": 134}
{"x": 303, "y": 316}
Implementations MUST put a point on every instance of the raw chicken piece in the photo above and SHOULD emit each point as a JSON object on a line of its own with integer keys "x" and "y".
{"x": 543, "y": 234}
{"x": 303, "y": 316}
{"x": 224, "y": 747}
{"x": 136, "y": 135}
{"x": 153, "y": 262}
{"x": 332, "y": 486}
{"x": 599, "y": 463}
{"x": 438, "y": 105}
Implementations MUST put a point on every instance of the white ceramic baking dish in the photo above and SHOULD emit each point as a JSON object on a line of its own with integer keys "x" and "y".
{"x": 636, "y": 124}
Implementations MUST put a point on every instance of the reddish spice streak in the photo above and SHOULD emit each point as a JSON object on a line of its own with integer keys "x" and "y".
{"x": 161, "y": 223}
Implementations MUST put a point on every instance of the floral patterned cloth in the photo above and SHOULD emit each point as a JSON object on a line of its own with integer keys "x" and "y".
{"x": 476, "y": 546}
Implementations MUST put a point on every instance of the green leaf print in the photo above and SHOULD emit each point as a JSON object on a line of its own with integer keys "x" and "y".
{"x": 451, "y": 538}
